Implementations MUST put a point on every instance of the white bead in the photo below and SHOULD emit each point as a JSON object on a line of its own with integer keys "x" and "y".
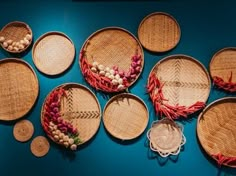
{"x": 120, "y": 81}
{"x": 5, "y": 44}
{"x": 117, "y": 76}
{"x": 112, "y": 72}
{"x": 95, "y": 64}
{"x": 107, "y": 69}
{"x": 101, "y": 67}
{"x": 28, "y": 37}
{"x": 2, "y": 39}
{"x": 9, "y": 42}
{"x": 120, "y": 87}
{"x": 93, "y": 69}
{"x": 102, "y": 73}
{"x": 114, "y": 82}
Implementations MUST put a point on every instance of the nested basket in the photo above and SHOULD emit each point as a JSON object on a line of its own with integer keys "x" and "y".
{"x": 19, "y": 88}
{"x": 17, "y": 35}
{"x": 166, "y": 137}
{"x": 76, "y": 108}
{"x": 178, "y": 86}
{"x": 216, "y": 130}
{"x": 159, "y": 32}
{"x": 125, "y": 116}
{"x": 111, "y": 59}
{"x": 223, "y": 69}
{"x": 53, "y": 53}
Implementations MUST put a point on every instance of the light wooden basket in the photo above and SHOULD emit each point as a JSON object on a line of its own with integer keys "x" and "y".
{"x": 18, "y": 90}
{"x": 159, "y": 32}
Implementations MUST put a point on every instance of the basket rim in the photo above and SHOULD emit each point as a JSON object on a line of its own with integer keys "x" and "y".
{"x": 125, "y": 95}
{"x": 189, "y": 58}
{"x": 200, "y": 117}
{"x": 160, "y": 13}
{"x": 36, "y": 79}
{"x": 28, "y": 28}
{"x": 121, "y": 29}
{"x": 48, "y": 34}
{"x": 81, "y": 86}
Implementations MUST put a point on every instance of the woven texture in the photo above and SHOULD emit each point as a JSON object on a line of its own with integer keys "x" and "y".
{"x": 159, "y": 32}
{"x": 16, "y": 31}
{"x": 166, "y": 137}
{"x": 223, "y": 63}
{"x": 185, "y": 80}
{"x": 216, "y": 128}
{"x": 125, "y": 116}
{"x": 81, "y": 108}
{"x": 18, "y": 88}
{"x": 53, "y": 53}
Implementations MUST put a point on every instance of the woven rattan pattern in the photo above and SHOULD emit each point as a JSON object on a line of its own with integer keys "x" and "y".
{"x": 216, "y": 127}
{"x": 53, "y": 53}
{"x": 186, "y": 81}
{"x": 18, "y": 88}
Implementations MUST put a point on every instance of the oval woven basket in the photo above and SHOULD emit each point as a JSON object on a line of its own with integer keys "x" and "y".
{"x": 125, "y": 116}
{"x": 16, "y": 31}
{"x": 53, "y": 53}
{"x": 223, "y": 69}
{"x": 184, "y": 85}
{"x": 216, "y": 130}
{"x": 78, "y": 106}
{"x": 159, "y": 32}
{"x": 19, "y": 88}
{"x": 111, "y": 47}
{"x": 166, "y": 137}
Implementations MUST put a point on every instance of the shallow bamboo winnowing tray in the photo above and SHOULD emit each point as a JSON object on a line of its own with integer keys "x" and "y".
{"x": 125, "y": 116}
{"x": 216, "y": 128}
{"x": 185, "y": 80}
{"x": 113, "y": 46}
{"x": 81, "y": 108}
{"x": 159, "y": 32}
{"x": 223, "y": 63}
{"x": 16, "y": 31}
{"x": 19, "y": 88}
{"x": 53, "y": 53}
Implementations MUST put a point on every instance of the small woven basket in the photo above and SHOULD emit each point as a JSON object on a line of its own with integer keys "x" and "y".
{"x": 216, "y": 129}
{"x": 16, "y": 31}
{"x": 166, "y": 137}
{"x": 159, "y": 32}
{"x": 19, "y": 88}
{"x": 53, "y": 53}
{"x": 80, "y": 108}
{"x": 125, "y": 116}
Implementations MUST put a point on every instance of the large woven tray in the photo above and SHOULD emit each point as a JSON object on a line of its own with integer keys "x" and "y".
{"x": 216, "y": 129}
{"x": 112, "y": 46}
{"x": 159, "y": 32}
{"x": 16, "y": 31}
{"x": 223, "y": 66}
{"x": 184, "y": 83}
{"x": 19, "y": 88}
{"x": 53, "y": 53}
{"x": 80, "y": 108}
{"x": 125, "y": 116}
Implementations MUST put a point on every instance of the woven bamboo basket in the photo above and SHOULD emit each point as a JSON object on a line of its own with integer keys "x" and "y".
{"x": 16, "y": 31}
{"x": 112, "y": 46}
{"x": 185, "y": 80}
{"x": 159, "y": 32}
{"x": 223, "y": 64}
{"x": 166, "y": 137}
{"x": 53, "y": 53}
{"x": 23, "y": 130}
{"x": 125, "y": 116}
{"x": 39, "y": 146}
{"x": 80, "y": 108}
{"x": 18, "y": 90}
{"x": 216, "y": 129}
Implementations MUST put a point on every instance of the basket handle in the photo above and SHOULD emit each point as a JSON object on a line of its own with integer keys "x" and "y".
{"x": 221, "y": 159}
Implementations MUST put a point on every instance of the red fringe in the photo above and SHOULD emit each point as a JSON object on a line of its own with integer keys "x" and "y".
{"x": 221, "y": 159}
{"x": 228, "y": 86}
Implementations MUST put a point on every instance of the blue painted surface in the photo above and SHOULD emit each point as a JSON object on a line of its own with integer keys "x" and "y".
{"x": 206, "y": 27}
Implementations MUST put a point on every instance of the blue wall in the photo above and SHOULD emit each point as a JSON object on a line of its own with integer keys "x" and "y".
{"x": 206, "y": 27}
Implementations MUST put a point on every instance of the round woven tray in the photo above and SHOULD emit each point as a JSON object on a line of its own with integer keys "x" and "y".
{"x": 125, "y": 116}
{"x": 223, "y": 63}
{"x": 23, "y": 130}
{"x": 166, "y": 137}
{"x": 113, "y": 46}
{"x": 53, "y": 53}
{"x": 159, "y": 32}
{"x": 39, "y": 146}
{"x": 216, "y": 128}
{"x": 19, "y": 88}
{"x": 79, "y": 107}
{"x": 16, "y": 31}
{"x": 185, "y": 80}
